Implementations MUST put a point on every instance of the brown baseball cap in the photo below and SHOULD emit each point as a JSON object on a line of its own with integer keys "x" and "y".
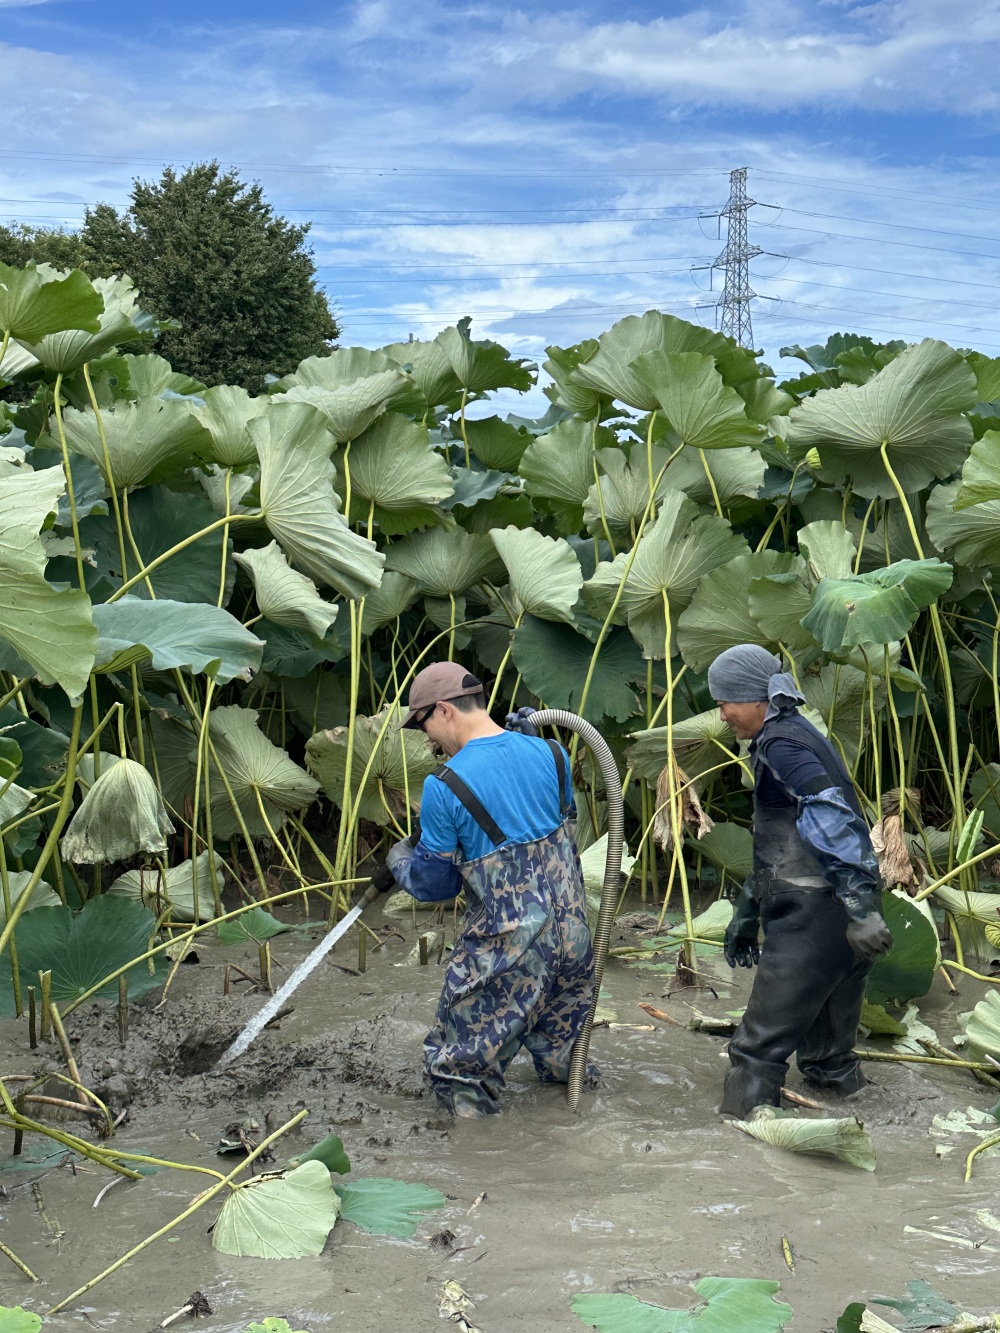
{"x": 439, "y": 681}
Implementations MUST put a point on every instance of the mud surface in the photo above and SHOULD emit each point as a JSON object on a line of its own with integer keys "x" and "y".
{"x": 644, "y": 1191}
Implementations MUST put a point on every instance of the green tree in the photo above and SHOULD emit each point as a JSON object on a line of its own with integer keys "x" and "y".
{"x": 19, "y": 244}
{"x": 208, "y": 250}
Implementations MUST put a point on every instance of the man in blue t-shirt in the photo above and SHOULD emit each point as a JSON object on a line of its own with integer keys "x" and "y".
{"x": 497, "y": 822}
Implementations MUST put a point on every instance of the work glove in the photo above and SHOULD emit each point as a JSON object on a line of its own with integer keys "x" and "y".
{"x": 520, "y": 721}
{"x": 399, "y": 854}
{"x": 740, "y": 943}
{"x": 867, "y": 933}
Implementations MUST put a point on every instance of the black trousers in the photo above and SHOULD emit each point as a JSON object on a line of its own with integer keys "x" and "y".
{"x": 806, "y": 999}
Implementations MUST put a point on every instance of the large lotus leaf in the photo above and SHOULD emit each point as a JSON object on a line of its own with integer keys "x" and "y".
{"x": 147, "y": 441}
{"x": 763, "y": 401}
{"x": 388, "y": 602}
{"x": 981, "y": 473}
{"x": 675, "y": 554}
{"x": 700, "y": 742}
{"x": 285, "y": 596}
{"x": 554, "y": 661}
{"x": 225, "y": 412}
{"x": 43, "y": 749}
{"x": 159, "y": 520}
{"x": 120, "y": 321}
{"x": 914, "y": 407}
{"x": 256, "y": 771}
{"x": 735, "y": 473}
{"x": 545, "y": 575}
{"x": 559, "y": 466}
{"x": 36, "y": 300}
{"x": 879, "y": 607}
{"x": 972, "y": 911}
{"x": 496, "y": 443}
{"x": 618, "y": 498}
{"x": 316, "y": 702}
{"x": 394, "y": 469}
{"x": 294, "y": 652}
{"x": 503, "y": 511}
{"x": 176, "y": 634}
{"x": 982, "y": 1026}
{"x": 728, "y": 1304}
{"x": 283, "y": 1217}
{"x": 14, "y": 1319}
{"x": 907, "y": 970}
{"x": 844, "y": 1138}
{"x": 594, "y": 864}
{"x": 430, "y": 369}
{"x": 730, "y": 847}
{"x": 52, "y": 631}
{"x": 402, "y": 759}
{"x": 149, "y": 375}
{"x": 971, "y": 536}
{"x": 43, "y": 895}
{"x": 839, "y": 696}
{"x": 704, "y": 412}
{"x": 472, "y": 485}
{"x": 81, "y": 948}
{"x": 443, "y": 563}
{"x": 334, "y": 370}
{"x": 779, "y": 602}
{"x": 482, "y": 366}
{"x": 387, "y": 1207}
{"x": 300, "y": 506}
{"x": 351, "y": 409}
{"x": 829, "y": 549}
{"x": 563, "y": 392}
{"x": 719, "y": 615}
{"x": 174, "y": 890}
{"x": 14, "y": 800}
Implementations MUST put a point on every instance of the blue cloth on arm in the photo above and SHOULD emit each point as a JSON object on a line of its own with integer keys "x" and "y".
{"x": 514, "y": 776}
{"x": 428, "y": 876}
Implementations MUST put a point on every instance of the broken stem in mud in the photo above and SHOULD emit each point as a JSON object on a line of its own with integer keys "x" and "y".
{"x": 68, "y": 1056}
{"x": 921, "y": 1059}
{"x": 199, "y": 1202}
{"x": 992, "y": 1142}
{"x": 18, "y": 1263}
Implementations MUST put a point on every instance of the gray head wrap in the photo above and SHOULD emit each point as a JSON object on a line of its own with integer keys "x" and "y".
{"x": 750, "y": 674}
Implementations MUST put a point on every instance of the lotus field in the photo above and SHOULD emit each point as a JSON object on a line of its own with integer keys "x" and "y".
{"x": 211, "y": 606}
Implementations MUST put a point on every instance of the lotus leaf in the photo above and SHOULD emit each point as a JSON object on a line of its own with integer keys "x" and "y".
{"x": 593, "y": 862}
{"x": 14, "y": 1319}
{"x": 545, "y": 575}
{"x": 735, "y": 473}
{"x": 387, "y": 1207}
{"x": 700, "y": 742}
{"x": 559, "y": 466}
{"x": 43, "y": 895}
{"x": 388, "y": 602}
{"x": 730, "y": 847}
{"x": 914, "y": 407}
{"x": 271, "y": 1325}
{"x": 554, "y": 661}
{"x": 728, "y": 1304}
{"x": 563, "y": 392}
{"x": 285, "y": 596}
{"x": 316, "y": 701}
{"x": 284, "y": 1217}
{"x": 473, "y": 485}
{"x": 295, "y": 652}
{"x": 921, "y": 1308}
{"x": 149, "y": 375}
{"x": 343, "y": 366}
{"x": 779, "y": 603}
{"x": 981, "y": 473}
{"x": 255, "y": 926}
{"x": 51, "y": 630}
{"x": 703, "y": 412}
{"x": 428, "y": 365}
{"x": 175, "y": 634}
{"x": 258, "y": 772}
{"x": 619, "y": 497}
{"x": 710, "y": 924}
{"x": 829, "y": 549}
{"x": 37, "y": 300}
{"x": 402, "y": 759}
{"x": 972, "y": 911}
{"x": 443, "y": 563}
{"x": 329, "y": 1151}
{"x": 482, "y": 366}
{"x": 82, "y": 948}
{"x": 225, "y": 411}
{"x": 121, "y": 816}
{"x": 874, "y": 608}
{"x": 845, "y": 1138}
{"x": 497, "y": 444}
{"x": 982, "y": 1026}
{"x": 396, "y": 476}
{"x": 971, "y": 535}
{"x": 174, "y": 890}
{"x": 43, "y": 749}
{"x": 300, "y": 506}
{"x": 673, "y": 557}
{"x": 719, "y": 616}
{"x": 216, "y": 481}
{"x": 907, "y": 970}
{"x": 351, "y": 408}
{"x": 120, "y": 321}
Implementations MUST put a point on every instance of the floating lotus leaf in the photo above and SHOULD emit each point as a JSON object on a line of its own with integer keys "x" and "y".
{"x": 703, "y": 412}
{"x": 972, "y": 911}
{"x": 970, "y": 536}
{"x": 43, "y": 895}
{"x": 396, "y": 475}
{"x": 225, "y": 413}
{"x": 982, "y": 1026}
{"x": 482, "y": 366}
{"x": 82, "y": 948}
{"x": 300, "y": 506}
{"x": 402, "y": 759}
{"x": 907, "y": 970}
{"x": 351, "y": 408}
{"x": 829, "y": 549}
{"x": 283, "y": 1217}
{"x": 120, "y": 321}
{"x": 728, "y": 1304}
{"x": 700, "y": 742}
{"x": 51, "y": 630}
{"x": 121, "y": 816}
{"x": 37, "y": 300}
{"x": 545, "y": 575}
{"x": 175, "y": 634}
{"x": 845, "y": 1138}
{"x": 736, "y": 473}
{"x": 443, "y": 563}
{"x": 258, "y": 773}
{"x": 285, "y": 596}
{"x": 554, "y": 661}
{"x": 914, "y": 406}
{"x": 173, "y": 891}
{"x": 922, "y": 1308}
{"x": 879, "y": 607}
{"x": 14, "y": 1319}
{"x": 675, "y": 554}
{"x": 719, "y": 614}
{"x": 147, "y": 441}
{"x": 387, "y": 1207}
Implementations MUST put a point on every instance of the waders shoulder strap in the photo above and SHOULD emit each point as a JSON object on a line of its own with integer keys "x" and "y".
{"x": 468, "y": 798}
{"x": 560, "y": 758}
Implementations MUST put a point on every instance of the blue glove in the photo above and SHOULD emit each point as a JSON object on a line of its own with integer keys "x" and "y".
{"x": 398, "y": 858}
{"x": 520, "y": 721}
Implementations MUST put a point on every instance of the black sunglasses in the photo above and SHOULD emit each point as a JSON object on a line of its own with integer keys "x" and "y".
{"x": 420, "y": 721}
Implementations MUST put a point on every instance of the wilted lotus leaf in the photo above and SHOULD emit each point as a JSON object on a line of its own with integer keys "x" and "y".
{"x": 43, "y": 895}
{"x": 258, "y": 773}
{"x": 545, "y": 575}
{"x": 285, "y": 596}
{"x": 982, "y": 1026}
{"x": 844, "y": 1138}
{"x": 121, "y": 816}
{"x": 148, "y": 441}
{"x": 387, "y": 764}
{"x": 38, "y": 300}
{"x": 692, "y": 817}
{"x": 972, "y": 912}
{"x": 890, "y": 847}
{"x": 283, "y": 1217}
{"x": 175, "y": 890}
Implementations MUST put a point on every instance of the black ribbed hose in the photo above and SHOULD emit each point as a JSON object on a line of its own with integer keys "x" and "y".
{"x": 612, "y": 874}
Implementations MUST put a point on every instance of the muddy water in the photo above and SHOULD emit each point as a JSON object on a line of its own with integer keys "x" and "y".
{"x": 644, "y": 1191}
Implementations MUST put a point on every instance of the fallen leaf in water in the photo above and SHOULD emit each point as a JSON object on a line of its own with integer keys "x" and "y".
{"x": 455, "y": 1304}
{"x": 844, "y": 1138}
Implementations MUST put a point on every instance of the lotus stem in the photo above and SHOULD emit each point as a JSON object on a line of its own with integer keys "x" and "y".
{"x": 45, "y": 991}
{"x": 5, "y": 1249}
{"x": 15, "y": 971}
{"x": 906, "y": 1058}
{"x": 32, "y": 1018}
{"x": 992, "y": 1142}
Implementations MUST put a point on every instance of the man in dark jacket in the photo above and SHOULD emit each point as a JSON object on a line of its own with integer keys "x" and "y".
{"x": 815, "y": 889}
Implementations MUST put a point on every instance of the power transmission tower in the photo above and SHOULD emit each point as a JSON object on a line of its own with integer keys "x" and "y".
{"x": 733, "y": 305}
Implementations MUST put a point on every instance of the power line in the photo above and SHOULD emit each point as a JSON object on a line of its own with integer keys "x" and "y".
{"x": 887, "y": 272}
{"x": 902, "y": 226}
{"x": 844, "y": 187}
{"x": 898, "y": 296}
{"x": 881, "y": 240}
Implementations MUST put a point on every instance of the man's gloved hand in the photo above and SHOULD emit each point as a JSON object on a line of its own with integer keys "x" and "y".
{"x": 869, "y": 936}
{"x": 521, "y": 721}
{"x": 740, "y": 943}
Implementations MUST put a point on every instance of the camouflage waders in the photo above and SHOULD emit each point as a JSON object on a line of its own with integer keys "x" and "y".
{"x": 522, "y": 973}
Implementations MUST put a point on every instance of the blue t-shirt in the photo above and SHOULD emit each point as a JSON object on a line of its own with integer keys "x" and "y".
{"x": 515, "y": 778}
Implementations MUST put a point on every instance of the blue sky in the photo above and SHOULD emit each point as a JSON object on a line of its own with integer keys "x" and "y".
{"x": 543, "y": 167}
